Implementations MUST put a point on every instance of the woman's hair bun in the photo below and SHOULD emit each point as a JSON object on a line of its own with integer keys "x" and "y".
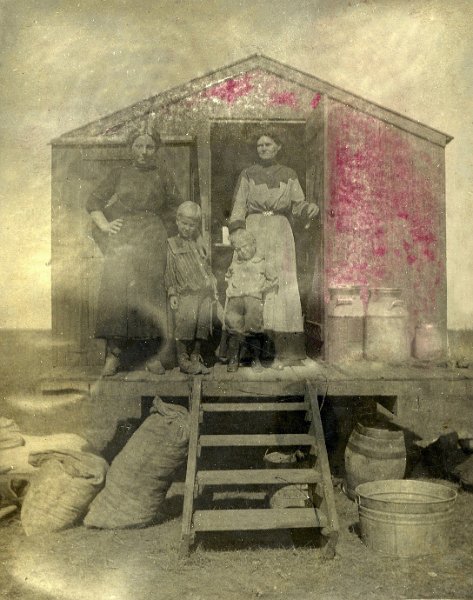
{"x": 144, "y": 128}
{"x": 270, "y": 130}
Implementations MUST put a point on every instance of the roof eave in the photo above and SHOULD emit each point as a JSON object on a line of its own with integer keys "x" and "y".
{"x": 253, "y": 62}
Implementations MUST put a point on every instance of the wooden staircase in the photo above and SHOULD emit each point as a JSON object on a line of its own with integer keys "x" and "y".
{"x": 319, "y": 511}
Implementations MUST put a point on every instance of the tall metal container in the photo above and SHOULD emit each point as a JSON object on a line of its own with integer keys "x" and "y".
{"x": 428, "y": 343}
{"x": 345, "y": 314}
{"x": 386, "y": 327}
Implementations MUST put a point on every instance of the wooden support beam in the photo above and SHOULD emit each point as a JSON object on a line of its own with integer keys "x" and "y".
{"x": 328, "y": 502}
{"x": 194, "y": 401}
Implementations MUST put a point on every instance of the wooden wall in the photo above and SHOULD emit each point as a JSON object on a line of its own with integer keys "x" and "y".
{"x": 380, "y": 188}
{"x": 385, "y": 212}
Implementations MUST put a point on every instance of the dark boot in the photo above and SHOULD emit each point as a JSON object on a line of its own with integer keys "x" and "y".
{"x": 198, "y": 360}
{"x": 279, "y": 348}
{"x": 233, "y": 353}
{"x": 256, "y": 344}
{"x": 154, "y": 365}
{"x": 112, "y": 361}
{"x": 183, "y": 360}
{"x": 188, "y": 366}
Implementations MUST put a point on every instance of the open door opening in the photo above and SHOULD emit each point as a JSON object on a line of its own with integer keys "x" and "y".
{"x": 233, "y": 148}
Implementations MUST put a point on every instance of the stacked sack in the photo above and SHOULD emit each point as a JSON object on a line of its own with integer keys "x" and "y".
{"x": 62, "y": 489}
{"x": 142, "y": 473}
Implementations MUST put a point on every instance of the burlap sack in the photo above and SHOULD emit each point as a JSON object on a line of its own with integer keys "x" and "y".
{"x": 141, "y": 474}
{"x": 62, "y": 489}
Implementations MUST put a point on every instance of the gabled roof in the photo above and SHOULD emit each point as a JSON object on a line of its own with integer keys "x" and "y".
{"x": 263, "y": 63}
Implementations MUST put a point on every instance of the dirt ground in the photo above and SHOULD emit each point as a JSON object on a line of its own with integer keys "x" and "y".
{"x": 81, "y": 564}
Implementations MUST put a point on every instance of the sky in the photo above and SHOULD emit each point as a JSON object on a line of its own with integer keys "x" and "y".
{"x": 65, "y": 63}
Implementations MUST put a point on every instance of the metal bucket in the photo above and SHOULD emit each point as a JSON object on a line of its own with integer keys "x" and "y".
{"x": 405, "y": 517}
{"x": 286, "y": 496}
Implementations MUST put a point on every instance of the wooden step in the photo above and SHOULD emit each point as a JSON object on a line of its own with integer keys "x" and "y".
{"x": 257, "y": 519}
{"x": 287, "y": 439}
{"x": 258, "y": 476}
{"x": 254, "y": 407}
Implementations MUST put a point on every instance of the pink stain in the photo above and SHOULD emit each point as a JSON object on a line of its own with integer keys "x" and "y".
{"x": 231, "y": 89}
{"x": 382, "y": 229}
{"x": 315, "y": 100}
{"x": 283, "y": 99}
{"x": 429, "y": 254}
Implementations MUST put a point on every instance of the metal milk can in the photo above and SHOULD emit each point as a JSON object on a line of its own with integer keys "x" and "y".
{"x": 428, "y": 343}
{"x": 345, "y": 314}
{"x": 386, "y": 327}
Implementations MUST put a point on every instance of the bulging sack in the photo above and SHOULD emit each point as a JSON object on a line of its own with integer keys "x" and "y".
{"x": 62, "y": 489}
{"x": 141, "y": 474}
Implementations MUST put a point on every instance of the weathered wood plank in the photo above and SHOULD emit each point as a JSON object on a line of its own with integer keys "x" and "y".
{"x": 258, "y": 476}
{"x": 287, "y": 439}
{"x": 257, "y": 519}
{"x": 255, "y": 407}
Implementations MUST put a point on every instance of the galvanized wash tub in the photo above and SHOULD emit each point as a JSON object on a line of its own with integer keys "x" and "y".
{"x": 405, "y": 517}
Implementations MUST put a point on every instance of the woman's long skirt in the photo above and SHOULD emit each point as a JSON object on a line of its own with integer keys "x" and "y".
{"x": 132, "y": 298}
{"x": 275, "y": 242}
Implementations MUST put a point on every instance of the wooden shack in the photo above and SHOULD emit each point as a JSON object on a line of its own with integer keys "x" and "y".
{"x": 378, "y": 176}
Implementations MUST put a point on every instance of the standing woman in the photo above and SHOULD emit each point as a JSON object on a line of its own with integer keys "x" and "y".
{"x": 134, "y": 209}
{"x": 267, "y": 193}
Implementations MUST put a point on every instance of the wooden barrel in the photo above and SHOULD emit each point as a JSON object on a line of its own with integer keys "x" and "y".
{"x": 375, "y": 451}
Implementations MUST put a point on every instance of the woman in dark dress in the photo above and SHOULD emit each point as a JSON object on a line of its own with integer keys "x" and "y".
{"x": 134, "y": 210}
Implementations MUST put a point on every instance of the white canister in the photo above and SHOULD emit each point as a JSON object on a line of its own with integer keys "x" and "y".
{"x": 345, "y": 313}
{"x": 386, "y": 327}
{"x": 428, "y": 342}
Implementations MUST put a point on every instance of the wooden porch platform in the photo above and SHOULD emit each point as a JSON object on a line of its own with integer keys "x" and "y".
{"x": 355, "y": 379}
{"x": 426, "y": 400}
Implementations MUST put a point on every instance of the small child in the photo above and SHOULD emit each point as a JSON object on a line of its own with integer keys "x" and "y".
{"x": 191, "y": 289}
{"x": 249, "y": 278}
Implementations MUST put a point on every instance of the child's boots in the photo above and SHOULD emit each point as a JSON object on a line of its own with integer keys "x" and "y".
{"x": 256, "y": 345}
{"x": 233, "y": 353}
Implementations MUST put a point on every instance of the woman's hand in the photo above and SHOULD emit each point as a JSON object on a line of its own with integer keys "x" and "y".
{"x": 312, "y": 210}
{"x": 112, "y": 227}
{"x": 174, "y": 302}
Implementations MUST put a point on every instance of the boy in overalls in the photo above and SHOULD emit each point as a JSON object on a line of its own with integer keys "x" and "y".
{"x": 191, "y": 289}
{"x": 249, "y": 278}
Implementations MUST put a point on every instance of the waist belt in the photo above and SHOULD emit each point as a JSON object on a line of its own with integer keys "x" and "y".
{"x": 266, "y": 213}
